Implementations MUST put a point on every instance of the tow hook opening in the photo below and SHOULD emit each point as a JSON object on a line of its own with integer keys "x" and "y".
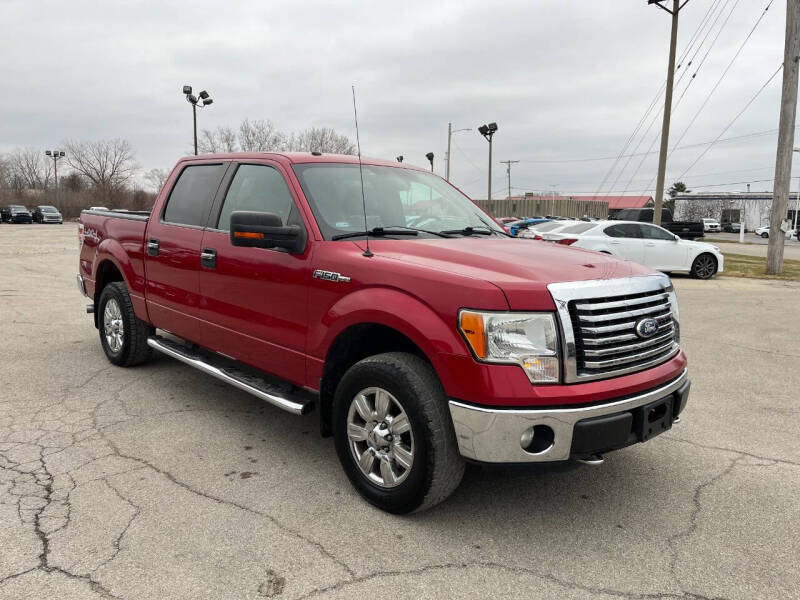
{"x": 537, "y": 439}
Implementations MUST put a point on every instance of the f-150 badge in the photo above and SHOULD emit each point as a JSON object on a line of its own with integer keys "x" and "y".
{"x": 330, "y": 276}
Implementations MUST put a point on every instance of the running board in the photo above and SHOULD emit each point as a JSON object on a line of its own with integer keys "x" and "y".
{"x": 260, "y": 387}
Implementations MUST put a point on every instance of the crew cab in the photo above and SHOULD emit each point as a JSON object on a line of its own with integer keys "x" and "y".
{"x": 689, "y": 230}
{"x": 380, "y": 296}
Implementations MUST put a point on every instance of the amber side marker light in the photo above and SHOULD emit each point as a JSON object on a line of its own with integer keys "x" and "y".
{"x": 471, "y": 326}
{"x": 249, "y": 235}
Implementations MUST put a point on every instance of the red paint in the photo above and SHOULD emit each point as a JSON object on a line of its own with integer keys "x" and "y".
{"x": 264, "y": 308}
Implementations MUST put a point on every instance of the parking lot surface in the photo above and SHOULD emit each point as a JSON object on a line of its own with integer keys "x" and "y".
{"x": 160, "y": 482}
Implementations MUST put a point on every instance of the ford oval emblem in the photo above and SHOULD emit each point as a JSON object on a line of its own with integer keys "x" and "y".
{"x": 646, "y": 327}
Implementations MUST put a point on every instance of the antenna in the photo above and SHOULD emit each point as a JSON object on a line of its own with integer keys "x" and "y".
{"x": 367, "y": 252}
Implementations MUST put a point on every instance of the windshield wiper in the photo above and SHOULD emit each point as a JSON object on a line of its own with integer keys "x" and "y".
{"x": 469, "y": 230}
{"x": 376, "y": 232}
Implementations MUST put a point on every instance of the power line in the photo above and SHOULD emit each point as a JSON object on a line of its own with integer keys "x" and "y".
{"x": 680, "y": 98}
{"x": 654, "y": 101}
{"x": 696, "y": 145}
{"x": 728, "y": 126}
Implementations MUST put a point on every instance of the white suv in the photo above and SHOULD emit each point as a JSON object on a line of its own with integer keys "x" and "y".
{"x": 711, "y": 225}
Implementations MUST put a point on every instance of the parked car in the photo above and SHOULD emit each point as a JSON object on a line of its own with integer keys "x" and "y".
{"x": 420, "y": 348}
{"x": 16, "y": 213}
{"x": 515, "y": 227}
{"x": 688, "y": 230}
{"x": 711, "y": 226}
{"x": 536, "y": 230}
{"x": 47, "y": 214}
{"x": 732, "y": 227}
{"x": 764, "y": 232}
{"x": 644, "y": 243}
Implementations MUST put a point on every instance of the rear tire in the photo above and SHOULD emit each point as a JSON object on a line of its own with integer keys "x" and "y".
{"x": 704, "y": 266}
{"x": 429, "y": 467}
{"x": 123, "y": 336}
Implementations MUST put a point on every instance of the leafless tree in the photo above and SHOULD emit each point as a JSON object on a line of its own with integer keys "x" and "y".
{"x": 221, "y": 139}
{"x": 30, "y": 168}
{"x": 156, "y": 178}
{"x": 107, "y": 164}
{"x": 321, "y": 139}
{"x": 260, "y": 136}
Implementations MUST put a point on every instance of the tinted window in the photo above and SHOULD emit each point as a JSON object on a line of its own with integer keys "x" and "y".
{"x": 547, "y": 226}
{"x": 580, "y": 228}
{"x": 258, "y": 188}
{"x": 651, "y": 232}
{"x": 624, "y": 230}
{"x": 190, "y": 197}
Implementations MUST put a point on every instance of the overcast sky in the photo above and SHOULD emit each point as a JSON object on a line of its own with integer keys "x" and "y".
{"x": 564, "y": 80}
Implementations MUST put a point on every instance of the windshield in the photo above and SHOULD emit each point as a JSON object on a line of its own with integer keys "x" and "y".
{"x": 395, "y": 197}
{"x": 48, "y": 209}
{"x": 15, "y": 209}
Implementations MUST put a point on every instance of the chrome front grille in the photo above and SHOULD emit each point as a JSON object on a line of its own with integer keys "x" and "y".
{"x": 599, "y": 320}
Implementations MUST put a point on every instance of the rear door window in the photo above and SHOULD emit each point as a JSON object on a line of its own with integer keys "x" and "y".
{"x": 624, "y": 230}
{"x": 190, "y": 198}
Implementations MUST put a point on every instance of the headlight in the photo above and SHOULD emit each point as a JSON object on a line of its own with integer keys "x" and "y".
{"x": 529, "y": 340}
{"x": 676, "y": 317}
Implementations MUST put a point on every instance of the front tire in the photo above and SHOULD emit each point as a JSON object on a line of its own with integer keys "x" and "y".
{"x": 704, "y": 266}
{"x": 765, "y": 235}
{"x": 123, "y": 336}
{"x": 394, "y": 435}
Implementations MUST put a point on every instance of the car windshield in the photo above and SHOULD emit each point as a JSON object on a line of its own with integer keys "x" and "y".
{"x": 395, "y": 198}
{"x": 48, "y": 209}
{"x": 16, "y": 209}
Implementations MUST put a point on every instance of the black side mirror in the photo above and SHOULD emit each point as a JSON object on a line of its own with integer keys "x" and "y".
{"x": 265, "y": 230}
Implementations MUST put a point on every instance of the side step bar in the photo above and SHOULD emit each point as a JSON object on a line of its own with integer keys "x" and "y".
{"x": 257, "y": 386}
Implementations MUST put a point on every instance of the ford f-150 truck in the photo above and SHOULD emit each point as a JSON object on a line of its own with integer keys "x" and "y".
{"x": 385, "y": 299}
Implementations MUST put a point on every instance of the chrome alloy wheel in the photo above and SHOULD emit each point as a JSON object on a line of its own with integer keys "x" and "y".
{"x": 380, "y": 436}
{"x": 112, "y": 325}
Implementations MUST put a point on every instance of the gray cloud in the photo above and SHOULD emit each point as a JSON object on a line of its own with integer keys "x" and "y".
{"x": 564, "y": 79}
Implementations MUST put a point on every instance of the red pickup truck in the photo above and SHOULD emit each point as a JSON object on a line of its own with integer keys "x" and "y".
{"x": 383, "y": 297}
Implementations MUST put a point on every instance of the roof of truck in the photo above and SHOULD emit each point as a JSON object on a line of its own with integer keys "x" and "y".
{"x": 302, "y": 157}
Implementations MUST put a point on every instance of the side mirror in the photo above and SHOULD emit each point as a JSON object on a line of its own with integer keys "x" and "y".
{"x": 265, "y": 230}
{"x": 677, "y": 238}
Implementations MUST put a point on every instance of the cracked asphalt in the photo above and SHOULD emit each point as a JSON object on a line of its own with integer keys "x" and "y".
{"x": 160, "y": 482}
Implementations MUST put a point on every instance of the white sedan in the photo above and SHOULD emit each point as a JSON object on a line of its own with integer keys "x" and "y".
{"x": 764, "y": 232}
{"x": 644, "y": 243}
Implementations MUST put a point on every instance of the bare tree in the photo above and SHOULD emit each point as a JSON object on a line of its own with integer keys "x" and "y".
{"x": 156, "y": 178}
{"x": 221, "y": 139}
{"x": 322, "y": 139}
{"x": 260, "y": 136}
{"x": 30, "y": 169}
{"x": 107, "y": 164}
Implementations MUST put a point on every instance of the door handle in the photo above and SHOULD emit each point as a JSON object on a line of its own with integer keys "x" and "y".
{"x": 650, "y": 244}
{"x": 208, "y": 258}
{"x": 615, "y": 242}
{"x": 152, "y": 247}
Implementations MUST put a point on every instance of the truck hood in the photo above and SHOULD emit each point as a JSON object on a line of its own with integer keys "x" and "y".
{"x": 520, "y": 268}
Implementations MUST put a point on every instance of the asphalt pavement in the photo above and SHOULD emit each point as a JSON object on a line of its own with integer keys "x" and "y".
{"x": 160, "y": 482}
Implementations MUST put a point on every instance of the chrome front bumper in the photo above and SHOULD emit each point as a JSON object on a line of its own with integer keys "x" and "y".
{"x": 81, "y": 285}
{"x": 493, "y": 435}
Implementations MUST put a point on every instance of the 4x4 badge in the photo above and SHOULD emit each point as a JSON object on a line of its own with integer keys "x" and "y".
{"x": 330, "y": 276}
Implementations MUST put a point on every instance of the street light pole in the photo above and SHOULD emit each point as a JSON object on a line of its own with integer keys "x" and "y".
{"x": 56, "y": 156}
{"x": 662, "y": 155}
{"x": 450, "y": 132}
{"x": 204, "y": 100}
{"x": 488, "y": 132}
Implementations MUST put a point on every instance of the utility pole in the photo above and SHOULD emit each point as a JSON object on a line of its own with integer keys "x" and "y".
{"x": 662, "y": 156}
{"x": 508, "y": 164}
{"x": 783, "y": 160}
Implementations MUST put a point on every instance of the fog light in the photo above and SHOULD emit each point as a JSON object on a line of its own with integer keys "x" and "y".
{"x": 537, "y": 439}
